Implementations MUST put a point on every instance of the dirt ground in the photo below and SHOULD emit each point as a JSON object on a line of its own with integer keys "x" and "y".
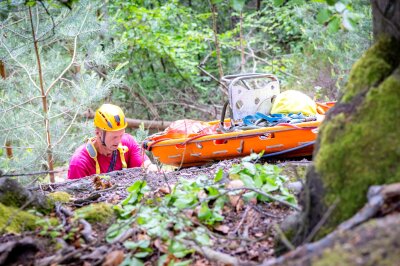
{"x": 247, "y": 232}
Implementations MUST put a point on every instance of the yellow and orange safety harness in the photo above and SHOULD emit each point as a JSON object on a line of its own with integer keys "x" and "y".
{"x": 93, "y": 154}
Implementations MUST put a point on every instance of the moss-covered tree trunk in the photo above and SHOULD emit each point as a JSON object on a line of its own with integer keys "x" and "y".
{"x": 359, "y": 142}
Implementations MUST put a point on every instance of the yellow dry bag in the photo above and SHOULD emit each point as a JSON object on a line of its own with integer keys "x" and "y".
{"x": 294, "y": 102}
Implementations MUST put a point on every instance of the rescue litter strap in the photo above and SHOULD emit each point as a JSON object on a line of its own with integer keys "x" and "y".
{"x": 288, "y": 150}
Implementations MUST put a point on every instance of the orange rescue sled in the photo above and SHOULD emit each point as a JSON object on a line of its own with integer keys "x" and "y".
{"x": 192, "y": 143}
{"x": 282, "y": 140}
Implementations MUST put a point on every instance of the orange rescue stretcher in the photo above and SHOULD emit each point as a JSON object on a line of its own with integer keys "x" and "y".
{"x": 192, "y": 143}
{"x": 282, "y": 140}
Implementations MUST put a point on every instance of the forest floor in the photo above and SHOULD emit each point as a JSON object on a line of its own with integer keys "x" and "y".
{"x": 247, "y": 232}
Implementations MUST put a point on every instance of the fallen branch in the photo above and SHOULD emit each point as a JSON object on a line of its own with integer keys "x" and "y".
{"x": 90, "y": 199}
{"x": 211, "y": 254}
{"x": 18, "y": 252}
{"x": 62, "y": 213}
{"x": 34, "y": 173}
{"x": 87, "y": 231}
{"x": 378, "y": 198}
{"x": 62, "y": 257}
{"x": 241, "y": 220}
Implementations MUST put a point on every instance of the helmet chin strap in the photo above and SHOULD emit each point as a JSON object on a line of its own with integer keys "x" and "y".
{"x": 103, "y": 139}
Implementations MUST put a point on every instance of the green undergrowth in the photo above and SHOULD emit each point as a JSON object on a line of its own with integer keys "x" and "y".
{"x": 188, "y": 211}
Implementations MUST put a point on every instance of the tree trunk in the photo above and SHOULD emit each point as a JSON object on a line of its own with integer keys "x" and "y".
{"x": 214, "y": 13}
{"x": 242, "y": 62}
{"x": 49, "y": 151}
{"x": 355, "y": 241}
{"x": 358, "y": 143}
{"x": 2, "y": 70}
{"x": 386, "y": 18}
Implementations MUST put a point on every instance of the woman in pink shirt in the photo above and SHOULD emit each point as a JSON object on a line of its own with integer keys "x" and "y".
{"x": 111, "y": 149}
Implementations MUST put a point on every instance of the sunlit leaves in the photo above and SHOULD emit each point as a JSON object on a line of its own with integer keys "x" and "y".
{"x": 238, "y": 4}
{"x": 338, "y": 15}
{"x": 324, "y": 15}
{"x": 219, "y": 176}
{"x": 266, "y": 178}
{"x": 278, "y": 2}
{"x": 334, "y": 25}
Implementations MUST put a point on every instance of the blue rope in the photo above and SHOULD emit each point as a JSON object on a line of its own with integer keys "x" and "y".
{"x": 274, "y": 119}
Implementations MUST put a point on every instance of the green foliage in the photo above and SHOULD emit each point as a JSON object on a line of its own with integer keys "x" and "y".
{"x": 267, "y": 178}
{"x": 238, "y": 4}
{"x": 141, "y": 133}
{"x": 70, "y": 59}
{"x": 49, "y": 228}
{"x": 170, "y": 217}
{"x": 155, "y": 47}
{"x": 327, "y": 50}
{"x": 168, "y": 40}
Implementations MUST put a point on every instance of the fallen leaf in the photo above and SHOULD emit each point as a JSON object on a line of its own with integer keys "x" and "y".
{"x": 253, "y": 254}
{"x": 239, "y": 205}
{"x": 235, "y": 184}
{"x": 259, "y": 234}
{"x": 161, "y": 246}
{"x": 165, "y": 190}
{"x": 201, "y": 262}
{"x": 188, "y": 213}
{"x": 222, "y": 228}
{"x": 201, "y": 194}
{"x": 114, "y": 258}
{"x": 143, "y": 237}
{"x": 114, "y": 199}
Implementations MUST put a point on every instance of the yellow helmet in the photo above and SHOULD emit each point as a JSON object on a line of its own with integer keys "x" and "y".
{"x": 110, "y": 117}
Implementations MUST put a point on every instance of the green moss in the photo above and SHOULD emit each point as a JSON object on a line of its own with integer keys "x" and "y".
{"x": 53, "y": 221}
{"x": 294, "y": 171}
{"x": 363, "y": 247}
{"x": 10, "y": 199}
{"x": 360, "y": 147}
{"x": 334, "y": 256}
{"x": 60, "y": 196}
{"x": 376, "y": 64}
{"x": 13, "y": 220}
{"x": 97, "y": 212}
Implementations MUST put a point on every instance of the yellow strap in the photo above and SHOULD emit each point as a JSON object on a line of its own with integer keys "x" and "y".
{"x": 97, "y": 166}
{"x": 122, "y": 150}
{"x": 93, "y": 154}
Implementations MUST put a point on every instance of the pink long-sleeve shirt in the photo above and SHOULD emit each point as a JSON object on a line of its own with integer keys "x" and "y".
{"x": 81, "y": 164}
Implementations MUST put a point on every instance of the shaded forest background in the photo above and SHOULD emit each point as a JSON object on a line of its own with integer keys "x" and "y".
{"x": 158, "y": 60}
